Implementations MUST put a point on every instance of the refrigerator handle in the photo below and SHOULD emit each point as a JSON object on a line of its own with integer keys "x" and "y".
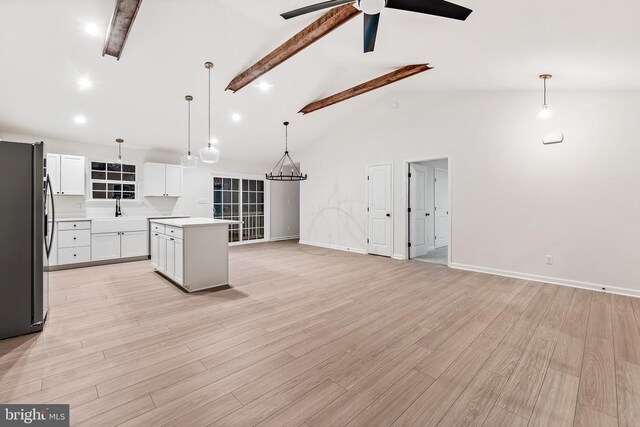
{"x": 49, "y": 244}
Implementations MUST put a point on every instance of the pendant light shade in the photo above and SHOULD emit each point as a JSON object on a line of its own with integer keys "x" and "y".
{"x": 286, "y": 169}
{"x": 545, "y": 111}
{"x": 119, "y": 141}
{"x": 209, "y": 154}
{"x": 189, "y": 160}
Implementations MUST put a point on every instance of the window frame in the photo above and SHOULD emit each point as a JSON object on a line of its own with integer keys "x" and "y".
{"x": 135, "y": 183}
{"x": 267, "y": 202}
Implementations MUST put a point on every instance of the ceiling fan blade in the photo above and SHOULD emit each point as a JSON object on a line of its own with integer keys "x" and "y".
{"x": 370, "y": 31}
{"x": 314, "y": 7}
{"x": 432, "y": 7}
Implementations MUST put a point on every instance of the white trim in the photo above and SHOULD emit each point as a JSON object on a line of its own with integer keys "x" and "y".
{"x": 366, "y": 175}
{"x": 550, "y": 280}
{"x": 336, "y": 247}
{"x": 399, "y": 257}
{"x": 277, "y": 239}
{"x": 405, "y": 180}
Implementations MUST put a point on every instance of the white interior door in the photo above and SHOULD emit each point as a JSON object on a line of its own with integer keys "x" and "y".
{"x": 419, "y": 212}
{"x": 380, "y": 209}
{"x": 441, "y": 193}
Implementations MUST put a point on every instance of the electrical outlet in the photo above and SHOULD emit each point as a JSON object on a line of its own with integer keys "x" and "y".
{"x": 549, "y": 259}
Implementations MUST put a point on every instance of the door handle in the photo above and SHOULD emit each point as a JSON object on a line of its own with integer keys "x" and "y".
{"x": 388, "y": 214}
{"x": 427, "y": 214}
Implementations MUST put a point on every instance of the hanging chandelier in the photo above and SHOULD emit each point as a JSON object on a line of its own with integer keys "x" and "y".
{"x": 209, "y": 154}
{"x": 286, "y": 162}
{"x": 189, "y": 160}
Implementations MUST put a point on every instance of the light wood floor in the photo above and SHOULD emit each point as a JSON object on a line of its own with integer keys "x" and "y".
{"x": 310, "y": 337}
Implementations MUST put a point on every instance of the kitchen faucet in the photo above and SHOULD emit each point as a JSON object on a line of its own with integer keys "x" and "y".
{"x": 118, "y": 210}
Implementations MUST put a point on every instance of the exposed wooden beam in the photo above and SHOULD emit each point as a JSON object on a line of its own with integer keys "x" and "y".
{"x": 312, "y": 33}
{"x": 376, "y": 83}
{"x": 120, "y": 26}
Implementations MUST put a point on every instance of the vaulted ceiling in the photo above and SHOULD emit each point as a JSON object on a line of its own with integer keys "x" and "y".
{"x": 504, "y": 44}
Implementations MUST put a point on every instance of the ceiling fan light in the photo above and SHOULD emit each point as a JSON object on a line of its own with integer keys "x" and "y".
{"x": 372, "y": 7}
{"x": 209, "y": 154}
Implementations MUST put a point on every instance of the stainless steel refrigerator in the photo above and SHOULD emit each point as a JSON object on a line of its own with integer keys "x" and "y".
{"x": 26, "y": 234}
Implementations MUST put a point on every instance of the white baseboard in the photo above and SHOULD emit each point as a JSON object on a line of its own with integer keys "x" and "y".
{"x": 336, "y": 247}
{"x": 277, "y": 239}
{"x": 399, "y": 257}
{"x": 551, "y": 280}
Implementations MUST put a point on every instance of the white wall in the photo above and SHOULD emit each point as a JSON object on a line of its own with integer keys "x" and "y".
{"x": 285, "y": 210}
{"x": 514, "y": 200}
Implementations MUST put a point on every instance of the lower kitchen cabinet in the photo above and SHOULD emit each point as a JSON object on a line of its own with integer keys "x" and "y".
{"x": 128, "y": 244}
{"x": 167, "y": 256}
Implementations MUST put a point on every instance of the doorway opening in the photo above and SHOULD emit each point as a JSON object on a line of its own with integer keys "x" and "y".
{"x": 429, "y": 212}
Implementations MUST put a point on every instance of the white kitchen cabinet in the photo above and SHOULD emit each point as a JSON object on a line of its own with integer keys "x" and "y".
{"x": 105, "y": 246}
{"x": 72, "y": 243}
{"x": 133, "y": 243}
{"x": 53, "y": 170}
{"x": 66, "y": 173}
{"x": 162, "y": 180}
{"x": 192, "y": 252}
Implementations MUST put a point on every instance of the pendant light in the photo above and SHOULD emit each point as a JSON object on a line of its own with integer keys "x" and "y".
{"x": 545, "y": 111}
{"x": 285, "y": 160}
{"x": 189, "y": 160}
{"x": 209, "y": 154}
{"x": 119, "y": 141}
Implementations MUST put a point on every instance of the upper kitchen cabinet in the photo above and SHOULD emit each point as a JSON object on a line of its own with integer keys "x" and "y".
{"x": 66, "y": 173}
{"x": 162, "y": 180}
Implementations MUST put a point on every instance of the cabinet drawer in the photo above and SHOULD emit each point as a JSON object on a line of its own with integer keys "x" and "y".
{"x": 157, "y": 228}
{"x": 79, "y": 225}
{"x": 74, "y": 255}
{"x": 74, "y": 238}
{"x": 173, "y": 232}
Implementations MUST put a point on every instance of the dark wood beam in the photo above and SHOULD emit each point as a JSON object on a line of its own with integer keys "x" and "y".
{"x": 378, "y": 82}
{"x": 120, "y": 27}
{"x": 311, "y": 34}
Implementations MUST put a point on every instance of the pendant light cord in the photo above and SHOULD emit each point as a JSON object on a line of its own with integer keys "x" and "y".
{"x": 209, "y": 145}
{"x": 544, "y": 96}
{"x": 286, "y": 138}
{"x": 189, "y": 130}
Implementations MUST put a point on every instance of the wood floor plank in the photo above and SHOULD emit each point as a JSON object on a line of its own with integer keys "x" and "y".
{"x": 586, "y": 417}
{"x": 498, "y": 417}
{"x": 626, "y": 337}
{"x": 598, "y": 380}
{"x": 628, "y": 388}
{"x": 475, "y": 403}
{"x": 556, "y": 404}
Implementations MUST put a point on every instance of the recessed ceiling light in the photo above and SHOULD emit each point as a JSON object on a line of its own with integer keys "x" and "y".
{"x": 84, "y": 83}
{"x": 236, "y": 117}
{"x": 92, "y": 29}
{"x": 80, "y": 120}
{"x": 264, "y": 86}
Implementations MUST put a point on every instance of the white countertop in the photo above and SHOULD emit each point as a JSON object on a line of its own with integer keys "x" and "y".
{"x": 76, "y": 219}
{"x": 194, "y": 222}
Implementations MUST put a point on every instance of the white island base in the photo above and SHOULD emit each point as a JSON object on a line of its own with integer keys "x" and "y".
{"x": 191, "y": 252}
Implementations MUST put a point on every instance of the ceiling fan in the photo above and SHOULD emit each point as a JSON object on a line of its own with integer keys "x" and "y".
{"x": 372, "y": 9}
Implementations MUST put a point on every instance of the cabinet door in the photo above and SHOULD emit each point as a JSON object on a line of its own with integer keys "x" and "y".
{"x": 154, "y": 179}
{"x": 53, "y": 170}
{"x": 171, "y": 257}
{"x": 71, "y": 175}
{"x": 105, "y": 246}
{"x": 179, "y": 260}
{"x": 173, "y": 180}
{"x": 155, "y": 246}
{"x": 162, "y": 253}
{"x": 133, "y": 243}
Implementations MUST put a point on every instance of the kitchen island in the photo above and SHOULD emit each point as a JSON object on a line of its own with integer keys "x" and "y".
{"x": 191, "y": 252}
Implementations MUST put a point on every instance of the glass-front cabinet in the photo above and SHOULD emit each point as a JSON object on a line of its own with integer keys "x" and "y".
{"x": 240, "y": 199}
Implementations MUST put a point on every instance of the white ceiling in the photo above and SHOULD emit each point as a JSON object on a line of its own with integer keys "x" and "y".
{"x": 505, "y": 44}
